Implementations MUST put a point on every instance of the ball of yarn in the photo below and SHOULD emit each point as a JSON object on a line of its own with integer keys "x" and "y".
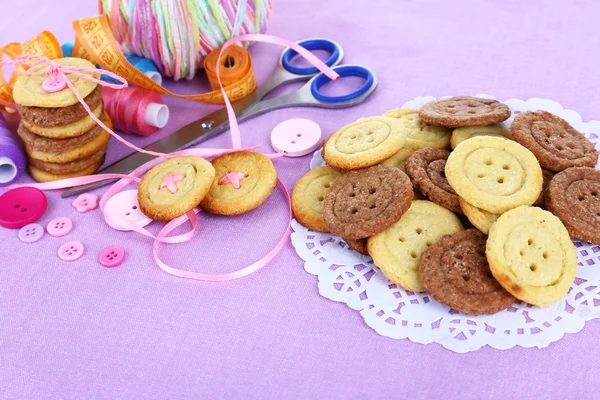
{"x": 178, "y": 34}
{"x": 12, "y": 158}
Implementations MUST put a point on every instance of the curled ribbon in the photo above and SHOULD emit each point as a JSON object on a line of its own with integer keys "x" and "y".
{"x": 162, "y": 236}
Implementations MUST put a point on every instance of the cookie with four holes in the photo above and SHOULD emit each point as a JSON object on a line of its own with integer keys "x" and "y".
{"x": 494, "y": 174}
{"x": 309, "y": 195}
{"x": 555, "y": 143}
{"x": 364, "y": 143}
{"x": 365, "y": 202}
{"x": 531, "y": 255}
{"x": 455, "y": 272}
{"x": 243, "y": 181}
{"x": 455, "y": 112}
{"x": 174, "y": 187}
{"x": 419, "y": 134}
{"x": 573, "y": 195}
{"x": 397, "y": 250}
{"x": 426, "y": 169}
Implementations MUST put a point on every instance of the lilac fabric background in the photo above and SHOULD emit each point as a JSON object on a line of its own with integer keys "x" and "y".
{"x": 77, "y": 330}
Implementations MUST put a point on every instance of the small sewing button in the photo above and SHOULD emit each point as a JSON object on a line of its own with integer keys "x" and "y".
{"x": 85, "y": 202}
{"x": 59, "y": 226}
{"x": 21, "y": 206}
{"x": 111, "y": 256}
{"x": 54, "y": 84}
{"x": 124, "y": 208}
{"x": 70, "y": 251}
{"x": 31, "y": 233}
{"x": 296, "y": 137}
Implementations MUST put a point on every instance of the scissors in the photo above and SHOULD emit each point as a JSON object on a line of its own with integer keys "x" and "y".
{"x": 252, "y": 105}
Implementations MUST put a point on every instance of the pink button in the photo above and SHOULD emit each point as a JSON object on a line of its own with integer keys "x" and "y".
{"x": 31, "y": 233}
{"x": 297, "y": 137}
{"x": 54, "y": 84}
{"x": 124, "y": 208}
{"x": 111, "y": 256}
{"x": 22, "y": 206}
{"x": 59, "y": 226}
{"x": 70, "y": 251}
{"x": 85, "y": 202}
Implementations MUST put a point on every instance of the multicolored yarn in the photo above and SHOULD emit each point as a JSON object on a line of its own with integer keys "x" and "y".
{"x": 178, "y": 34}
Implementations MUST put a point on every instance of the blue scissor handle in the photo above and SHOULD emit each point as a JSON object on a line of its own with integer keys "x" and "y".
{"x": 343, "y": 70}
{"x": 311, "y": 44}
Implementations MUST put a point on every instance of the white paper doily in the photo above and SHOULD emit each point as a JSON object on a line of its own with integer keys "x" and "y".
{"x": 351, "y": 278}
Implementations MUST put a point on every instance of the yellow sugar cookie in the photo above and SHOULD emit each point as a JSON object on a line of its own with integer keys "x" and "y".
{"x": 91, "y": 147}
{"x": 44, "y": 176}
{"x": 174, "y": 187}
{"x": 28, "y": 88}
{"x": 459, "y": 135}
{"x": 531, "y": 255}
{"x": 397, "y": 250}
{"x": 419, "y": 134}
{"x": 309, "y": 194}
{"x": 243, "y": 181}
{"x": 480, "y": 219}
{"x": 399, "y": 159}
{"x": 494, "y": 174}
{"x": 73, "y": 129}
{"x": 364, "y": 143}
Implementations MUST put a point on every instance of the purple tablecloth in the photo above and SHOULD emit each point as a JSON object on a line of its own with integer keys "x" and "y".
{"x": 78, "y": 330}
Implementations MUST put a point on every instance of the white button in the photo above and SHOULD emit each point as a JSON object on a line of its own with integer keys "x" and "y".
{"x": 296, "y": 137}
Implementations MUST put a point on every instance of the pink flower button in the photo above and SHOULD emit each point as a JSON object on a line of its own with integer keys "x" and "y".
{"x": 59, "y": 226}
{"x": 21, "y": 206}
{"x": 122, "y": 209}
{"x": 70, "y": 251}
{"x": 85, "y": 202}
{"x": 297, "y": 137}
{"x": 54, "y": 84}
{"x": 111, "y": 256}
{"x": 31, "y": 233}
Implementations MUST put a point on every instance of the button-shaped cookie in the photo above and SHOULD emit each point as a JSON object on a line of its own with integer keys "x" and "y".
{"x": 364, "y": 143}
{"x": 397, "y": 250}
{"x": 419, "y": 134}
{"x": 243, "y": 181}
{"x": 494, "y": 174}
{"x": 459, "y": 135}
{"x": 308, "y": 197}
{"x": 531, "y": 255}
{"x": 174, "y": 187}
{"x": 460, "y": 111}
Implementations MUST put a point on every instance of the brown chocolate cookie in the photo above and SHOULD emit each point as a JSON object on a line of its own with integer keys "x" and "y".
{"x": 573, "y": 195}
{"x": 547, "y": 175}
{"x": 554, "y": 142}
{"x": 455, "y": 272}
{"x": 48, "y": 117}
{"x": 426, "y": 169}
{"x": 365, "y": 202}
{"x": 359, "y": 245}
{"x": 48, "y": 145}
{"x": 464, "y": 111}
{"x": 70, "y": 167}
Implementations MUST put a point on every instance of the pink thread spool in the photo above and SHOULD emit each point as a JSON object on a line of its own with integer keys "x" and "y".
{"x": 135, "y": 110}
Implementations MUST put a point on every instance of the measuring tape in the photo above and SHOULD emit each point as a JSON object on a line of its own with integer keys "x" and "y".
{"x": 95, "y": 42}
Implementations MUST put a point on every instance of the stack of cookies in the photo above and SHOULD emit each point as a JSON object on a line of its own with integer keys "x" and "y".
{"x": 61, "y": 139}
{"x": 403, "y": 187}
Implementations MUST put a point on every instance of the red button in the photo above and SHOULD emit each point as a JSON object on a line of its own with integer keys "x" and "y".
{"x": 21, "y": 206}
{"x": 112, "y": 256}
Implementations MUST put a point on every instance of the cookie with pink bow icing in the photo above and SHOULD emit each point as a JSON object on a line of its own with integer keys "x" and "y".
{"x": 174, "y": 187}
{"x": 243, "y": 181}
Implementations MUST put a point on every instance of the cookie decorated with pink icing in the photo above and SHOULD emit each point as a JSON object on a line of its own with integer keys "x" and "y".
{"x": 174, "y": 187}
{"x": 243, "y": 181}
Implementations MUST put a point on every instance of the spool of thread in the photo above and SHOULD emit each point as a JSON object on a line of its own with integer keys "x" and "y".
{"x": 235, "y": 63}
{"x": 12, "y": 158}
{"x": 177, "y": 35}
{"x": 135, "y": 110}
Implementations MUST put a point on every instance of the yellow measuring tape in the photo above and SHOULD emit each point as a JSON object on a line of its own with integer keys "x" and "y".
{"x": 95, "y": 42}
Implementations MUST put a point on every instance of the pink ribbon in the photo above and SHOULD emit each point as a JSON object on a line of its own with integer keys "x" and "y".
{"x": 124, "y": 180}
